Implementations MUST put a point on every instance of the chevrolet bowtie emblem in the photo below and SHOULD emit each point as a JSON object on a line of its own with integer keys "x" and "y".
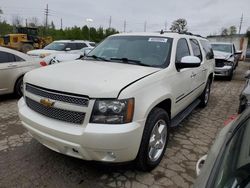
{"x": 47, "y": 102}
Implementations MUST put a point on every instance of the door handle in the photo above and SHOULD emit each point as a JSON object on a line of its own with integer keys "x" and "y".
{"x": 12, "y": 65}
{"x": 193, "y": 75}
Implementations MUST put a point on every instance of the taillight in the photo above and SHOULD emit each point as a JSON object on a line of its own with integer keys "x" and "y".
{"x": 230, "y": 119}
{"x": 43, "y": 63}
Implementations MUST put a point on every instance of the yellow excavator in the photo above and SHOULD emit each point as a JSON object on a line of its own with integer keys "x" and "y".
{"x": 25, "y": 39}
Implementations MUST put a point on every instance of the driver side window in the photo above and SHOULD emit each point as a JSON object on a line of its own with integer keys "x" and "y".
{"x": 182, "y": 49}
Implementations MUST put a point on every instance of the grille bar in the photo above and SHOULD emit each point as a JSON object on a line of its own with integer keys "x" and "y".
{"x": 219, "y": 63}
{"x": 57, "y": 96}
{"x": 56, "y": 113}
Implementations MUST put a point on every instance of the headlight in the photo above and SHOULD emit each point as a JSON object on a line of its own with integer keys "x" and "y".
{"x": 115, "y": 111}
{"x": 228, "y": 63}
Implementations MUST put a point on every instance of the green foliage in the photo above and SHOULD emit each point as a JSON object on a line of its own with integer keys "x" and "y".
{"x": 232, "y": 30}
{"x": 224, "y": 31}
{"x": 71, "y": 33}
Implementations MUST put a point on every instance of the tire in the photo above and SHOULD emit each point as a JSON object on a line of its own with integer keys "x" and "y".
{"x": 205, "y": 94}
{"x": 230, "y": 77}
{"x": 19, "y": 87}
{"x": 26, "y": 47}
{"x": 157, "y": 119}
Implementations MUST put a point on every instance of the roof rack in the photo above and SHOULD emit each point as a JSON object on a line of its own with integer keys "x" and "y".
{"x": 182, "y": 32}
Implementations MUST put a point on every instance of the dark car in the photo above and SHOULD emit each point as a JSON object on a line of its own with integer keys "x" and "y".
{"x": 227, "y": 165}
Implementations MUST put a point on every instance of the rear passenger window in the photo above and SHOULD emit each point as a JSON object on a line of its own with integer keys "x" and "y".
{"x": 182, "y": 50}
{"x": 6, "y": 57}
{"x": 17, "y": 58}
{"x": 72, "y": 46}
{"x": 196, "y": 48}
{"x": 80, "y": 45}
{"x": 208, "y": 49}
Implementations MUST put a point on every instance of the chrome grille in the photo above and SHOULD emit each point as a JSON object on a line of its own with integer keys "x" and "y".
{"x": 58, "y": 96}
{"x": 56, "y": 113}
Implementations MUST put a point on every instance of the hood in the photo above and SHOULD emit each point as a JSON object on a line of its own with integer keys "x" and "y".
{"x": 41, "y": 51}
{"x": 221, "y": 55}
{"x": 95, "y": 79}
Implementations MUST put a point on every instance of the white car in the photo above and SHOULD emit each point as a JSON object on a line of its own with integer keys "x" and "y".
{"x": 13, "y": 66}
{"x": 64, "y": 57}
{"x": 118, "y": 104}
{"x": 71, "y": 46}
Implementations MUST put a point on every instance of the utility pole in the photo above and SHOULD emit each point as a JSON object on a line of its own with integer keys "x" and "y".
{"x": 61, "y": 24}
{"x": 124, "y": 26}
{"x": 26, "y": 22}
{"x": 46, "y": 16}
{"x": 241, "y": 21}
{"x": 145, "y": 26}
{"x": 110, "y": 20}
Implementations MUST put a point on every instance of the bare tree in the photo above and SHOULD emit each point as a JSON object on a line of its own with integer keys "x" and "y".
{"x": 33, "y": 22}
{"x": 179, "y": 25}
{"x": 232, "y": 30}
{"x": 17, "y": 21}
{"x": 224, "y": 31}
{"x": 1, "y": 12}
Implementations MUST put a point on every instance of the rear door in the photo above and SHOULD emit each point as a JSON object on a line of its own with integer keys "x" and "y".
{"x": 11, "y": 67}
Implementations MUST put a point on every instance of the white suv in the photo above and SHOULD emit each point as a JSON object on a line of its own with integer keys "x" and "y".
{"x": 118, "y": 103}
{"x": 59, "y": 46}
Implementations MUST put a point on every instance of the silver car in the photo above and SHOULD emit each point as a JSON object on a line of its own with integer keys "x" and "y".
{"x": 227, "y": 165}
{"x": 13, "y": 66}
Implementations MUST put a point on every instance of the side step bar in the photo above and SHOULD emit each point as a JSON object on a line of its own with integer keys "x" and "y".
{"x": 183, "y": 114}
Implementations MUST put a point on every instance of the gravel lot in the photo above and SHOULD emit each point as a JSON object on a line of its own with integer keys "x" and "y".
{"x": 26, "y": 163}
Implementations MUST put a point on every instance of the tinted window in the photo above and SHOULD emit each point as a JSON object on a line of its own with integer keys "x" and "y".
{"x": 6, "y": 57}
{"x": 182, "y": 49}
{"x": 59, "y": 46}
{"x": 196, "y": 48}
{"x": 207, "y": 48}
{"x": 80, "y": 46}
{"x": 92, "y": 44}
{"x": 17, "y": 58}
{"x": 72, "y": 46}
{"x": 234, "y": 169}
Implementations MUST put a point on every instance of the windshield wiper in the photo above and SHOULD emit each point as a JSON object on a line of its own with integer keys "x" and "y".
{"x": 126, "y": 60}
{"x": 97, "y": 58}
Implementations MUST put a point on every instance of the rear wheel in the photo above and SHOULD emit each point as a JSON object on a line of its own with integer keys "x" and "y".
{"x": 154, "y": 140}
{"x": 19, "y": 88}
{"x": 26, "y": 47}
{"x": 230, "y": 77}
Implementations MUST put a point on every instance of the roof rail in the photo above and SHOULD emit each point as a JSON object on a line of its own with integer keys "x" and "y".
{"x": 182, "y": 32}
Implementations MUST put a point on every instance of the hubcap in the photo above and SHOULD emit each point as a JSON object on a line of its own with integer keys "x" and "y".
{"x": 207, "y": 93}
{"x": 157, "y": 140}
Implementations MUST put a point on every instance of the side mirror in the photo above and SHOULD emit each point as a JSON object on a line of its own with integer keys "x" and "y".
{"x": 67, "y": 49}
{"x": 188, "y": 62}
{"x": 247, "y": 74}
{"x": 239, "y": 52}
{"x": 200, "y": 164}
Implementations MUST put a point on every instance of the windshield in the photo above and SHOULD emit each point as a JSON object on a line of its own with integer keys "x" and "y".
{"x": 222, "y": 47}
{"x": 59, "y": 46}
{"x": 234, "y": 171}
{"x": 138, "y": 50}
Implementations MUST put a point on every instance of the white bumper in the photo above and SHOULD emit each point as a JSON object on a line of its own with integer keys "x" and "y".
{"x": 99, "y": 142}
{"x": 223, "y": 71}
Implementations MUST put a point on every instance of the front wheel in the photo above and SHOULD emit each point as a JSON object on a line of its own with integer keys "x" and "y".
{"x": 19, "y": 87}
{"x": 205, "y": 95}
{"x": 154, "y": 140}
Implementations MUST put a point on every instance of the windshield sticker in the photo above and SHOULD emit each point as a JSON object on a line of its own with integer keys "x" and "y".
{"x": 157, "y": 40}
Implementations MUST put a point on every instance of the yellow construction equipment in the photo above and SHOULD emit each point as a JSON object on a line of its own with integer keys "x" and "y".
{"x": 24, "y": 40}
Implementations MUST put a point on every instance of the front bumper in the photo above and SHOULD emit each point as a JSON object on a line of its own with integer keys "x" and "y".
{"x": 223, "y": 71}
{"x": 98, "y": 142}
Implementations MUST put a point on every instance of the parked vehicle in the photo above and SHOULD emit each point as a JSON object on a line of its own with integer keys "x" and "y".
{"x": 226, "y": 59}
{"x": 64, "y": 57}
{"x": 228, "y": 162}
{"x": 245, "y": 94}
{"x": 60, "y": 46}
{"x": 13, "y": 65}
{"x": 118, "y": 103}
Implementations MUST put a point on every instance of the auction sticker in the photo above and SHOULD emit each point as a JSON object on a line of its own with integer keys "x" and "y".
{"x": 157, "y": 40}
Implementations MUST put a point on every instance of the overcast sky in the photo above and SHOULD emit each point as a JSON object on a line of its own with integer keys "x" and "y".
{"x": 203, "y": 16}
